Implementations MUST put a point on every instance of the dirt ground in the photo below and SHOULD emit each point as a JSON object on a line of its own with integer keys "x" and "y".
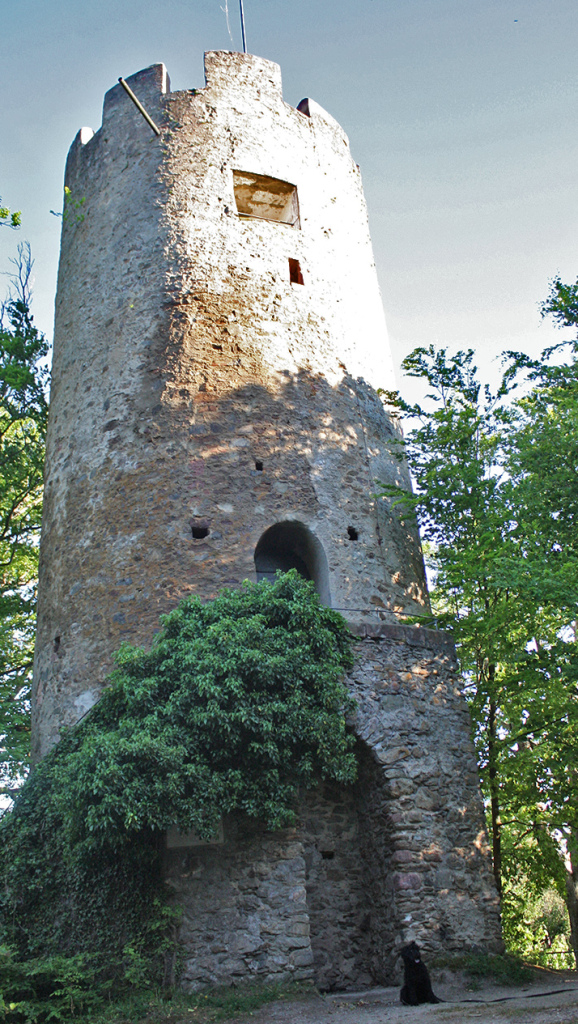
{"x": 541, "y": 1002}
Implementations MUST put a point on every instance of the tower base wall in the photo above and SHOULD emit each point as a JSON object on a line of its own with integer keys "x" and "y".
{"x": 400, "y": 855}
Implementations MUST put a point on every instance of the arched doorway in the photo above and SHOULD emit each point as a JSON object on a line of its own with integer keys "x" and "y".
{"x": 291, "y": 545}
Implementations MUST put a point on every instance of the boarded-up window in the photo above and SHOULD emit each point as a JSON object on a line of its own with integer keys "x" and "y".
{"x": 258, "y": 195}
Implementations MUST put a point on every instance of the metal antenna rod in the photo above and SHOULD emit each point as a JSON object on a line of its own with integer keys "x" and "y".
{"x": 139, "y": 106}
{"x": 243, "y": 26}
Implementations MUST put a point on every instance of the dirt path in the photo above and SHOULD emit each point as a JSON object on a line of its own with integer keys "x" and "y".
{"x": 524, "y": 1005}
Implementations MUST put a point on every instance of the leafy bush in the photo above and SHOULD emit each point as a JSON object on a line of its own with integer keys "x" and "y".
{"x": 142, "y": 1005}
{"x": 502, "y": 969}
{"x": 46, "y": 988}
{"x": 238, "y": 703}
{"x": 536, "y": 925}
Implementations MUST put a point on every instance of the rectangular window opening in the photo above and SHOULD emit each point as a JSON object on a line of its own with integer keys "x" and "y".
{"x": 265, "y": 198}
{"x": 295, "y": 274}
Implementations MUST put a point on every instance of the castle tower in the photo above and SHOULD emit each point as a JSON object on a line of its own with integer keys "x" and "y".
{"x": 219, "y": 338}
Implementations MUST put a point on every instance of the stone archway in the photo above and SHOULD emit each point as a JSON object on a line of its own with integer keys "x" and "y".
{"x": 291, "y": 545}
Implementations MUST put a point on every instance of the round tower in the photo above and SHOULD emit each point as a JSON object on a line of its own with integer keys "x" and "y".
{"x": 218, "y": 338}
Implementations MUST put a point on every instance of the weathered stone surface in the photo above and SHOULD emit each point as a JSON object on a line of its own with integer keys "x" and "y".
{"x": 184, "y": 357}
{"x": 371, "y": 866}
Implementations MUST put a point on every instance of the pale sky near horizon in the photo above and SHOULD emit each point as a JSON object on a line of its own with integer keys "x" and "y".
{"x": 462, "y": 114}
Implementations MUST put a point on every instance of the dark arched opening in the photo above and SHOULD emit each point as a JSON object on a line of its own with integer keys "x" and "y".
{"x": 290, "y": 545}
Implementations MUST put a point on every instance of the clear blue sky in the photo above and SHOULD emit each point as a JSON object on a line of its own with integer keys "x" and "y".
{"x": 463, "y": 115}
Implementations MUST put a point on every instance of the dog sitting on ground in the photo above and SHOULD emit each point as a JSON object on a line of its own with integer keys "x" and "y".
{"x": 416, "y": 980}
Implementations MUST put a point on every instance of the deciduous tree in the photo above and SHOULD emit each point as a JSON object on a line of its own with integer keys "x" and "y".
{"x": 496, "y": 496}
{"x": 23, "y": 416}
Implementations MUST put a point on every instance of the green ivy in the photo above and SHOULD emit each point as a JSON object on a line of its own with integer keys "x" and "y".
{"x": 238, "y": 703}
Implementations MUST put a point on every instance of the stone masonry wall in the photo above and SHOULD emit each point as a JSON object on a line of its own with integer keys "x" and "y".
{"x": 439, "y": 887}
{"x": 400, "y": 855}
{"x": 338, "y": 900}
{"x": 245, "y": 907}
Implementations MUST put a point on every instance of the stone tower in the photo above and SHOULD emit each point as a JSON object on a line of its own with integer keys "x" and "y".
{"x": 218, "y": 339}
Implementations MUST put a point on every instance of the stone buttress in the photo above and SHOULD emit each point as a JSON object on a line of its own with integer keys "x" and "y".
{"x": 219, "y": 339}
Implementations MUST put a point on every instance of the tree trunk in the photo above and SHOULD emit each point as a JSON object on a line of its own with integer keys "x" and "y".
{"x": 494, "y": 797}
{"x": 572, "y": 893}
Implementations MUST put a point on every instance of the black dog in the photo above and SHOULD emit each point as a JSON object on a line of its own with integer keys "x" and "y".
{"x": 416, "y": 980}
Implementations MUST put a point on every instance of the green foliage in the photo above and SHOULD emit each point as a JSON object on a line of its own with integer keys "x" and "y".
{"x": 536, "y": 924}
{"x": 457, "y": 454}
{"x": 23, "y": 417}
{"x": 9, "y": 219}
{"x": 59, "y": 987}
{"x": 506, "y": 969}
{"x": 50, "y": 988}
{"x": 224, "y": 1003}
{"x": 561, "y": 305}
{"x": 72, "y": 208}
{"x": 238, "y": 703}
{"x": 496, "y": 497}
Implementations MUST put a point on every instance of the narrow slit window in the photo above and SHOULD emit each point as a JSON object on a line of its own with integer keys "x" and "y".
{"x": 264, "y": 198}
{"x": 295, "y": 275}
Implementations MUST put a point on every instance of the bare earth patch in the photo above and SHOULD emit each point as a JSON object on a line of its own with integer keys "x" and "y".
{"x": 523, "y": 1004}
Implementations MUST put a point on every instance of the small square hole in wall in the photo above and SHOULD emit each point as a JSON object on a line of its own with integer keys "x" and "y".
{"x": 327, "y": 854}
{"x": 258, "y": 195}
{"x": 199, "y": 531}
{"x": 259, "y": 465}
{"x": 352, "y": 533}
{"x": 295, "y": 275}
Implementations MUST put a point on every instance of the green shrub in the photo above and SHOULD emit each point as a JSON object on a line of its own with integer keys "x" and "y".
{"x": 536, "y": 924}
{"x": 238, "y": 703}
{"x": 50, "y": 988}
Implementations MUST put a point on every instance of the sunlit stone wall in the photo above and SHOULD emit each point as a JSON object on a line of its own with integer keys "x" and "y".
{"x": 201, "y": 393}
